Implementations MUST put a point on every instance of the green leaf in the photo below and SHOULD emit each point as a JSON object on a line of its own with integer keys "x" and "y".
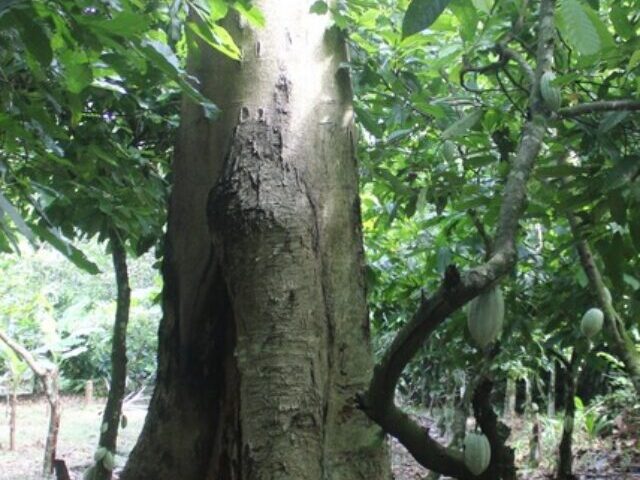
{"x": 577, "y": 28}
{"x": 163, "y": 57}
{"x": 634, "y": 61}
{"x": 319, "y": 7}
{"x": 217, "y": 37}
{"x": 34, "y": 37}
{"x": 467, "y": 16}
{"x": 483, "y": 5}
{"x": 421, "y": 14}
{"x": 250, "y": 13}
{"x": 463, "y": 125}
{"x": 611, "y": 120}
{"x": 57, "y": 241}
{"x": 620, "y": 20}
{"x": 21, "y": 225}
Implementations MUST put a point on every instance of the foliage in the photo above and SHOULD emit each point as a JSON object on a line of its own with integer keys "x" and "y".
{"x": 440, "y": 112}
{"x": 68, "y": 317}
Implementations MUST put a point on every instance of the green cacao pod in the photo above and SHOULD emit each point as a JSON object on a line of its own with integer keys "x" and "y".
{"x": 109, "y": 461}
{"x": 100, "y": 453}
{"x": 449, "y": 151}
{"x": 485, "y": 317}
{"x": 607, "y": 295}
{"x": 477, "y": 452}
{"x": 89, "y": 473}
{"x": 592, "y": 322}
{"x": 124, "y": 421}
{"x": 550, "y": 94}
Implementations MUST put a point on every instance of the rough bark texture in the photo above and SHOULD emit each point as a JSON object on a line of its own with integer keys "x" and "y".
{"x": 113, "y": 408}
{"x": 551, "y": 391}
{"x": 264, "y": 340}
{"x": 509, "y": 409}
{"x": 565, "y": 449}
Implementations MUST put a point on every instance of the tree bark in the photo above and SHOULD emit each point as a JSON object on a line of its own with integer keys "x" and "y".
{"x": 113, "y": 409}
{"x": 509, "y": 399}
{"x": 551, "y": 391}
{"x": 13, "y": 413}
{"x": 265, "y": 339}
{"x": 565, "y": 449}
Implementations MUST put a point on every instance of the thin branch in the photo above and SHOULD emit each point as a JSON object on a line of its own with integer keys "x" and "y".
{"x": 511, "y": 54}
{"x": 599, "y": 106}
{"x": 24, "y": 354}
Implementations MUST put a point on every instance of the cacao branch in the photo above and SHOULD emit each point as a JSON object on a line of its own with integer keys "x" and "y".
{"x": 598, "y": 107}
{"x": 456, "y": 289}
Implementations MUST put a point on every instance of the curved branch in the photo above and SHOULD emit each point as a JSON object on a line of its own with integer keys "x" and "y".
{"x": 599, "y": 106}
{"x": 456, "y": 289}
{"x": 24, "y": 355}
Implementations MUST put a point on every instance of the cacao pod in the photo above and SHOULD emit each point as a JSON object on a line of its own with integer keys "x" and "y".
{"x": 124, "y": 421}
{"x": 100, "y": 453}
{"x": 592, "y": 322}
{"x": 109, "y": 462}
{"x": 89, "y": 473}
{"x": 477, "y": 452}
{"x": 550, "y": 94}
{"x": 485, "y": 316}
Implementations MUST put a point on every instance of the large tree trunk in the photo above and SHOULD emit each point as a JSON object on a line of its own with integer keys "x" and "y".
{"x": 265, "y": 341}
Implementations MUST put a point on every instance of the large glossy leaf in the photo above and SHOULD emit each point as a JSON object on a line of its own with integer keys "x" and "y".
{"x": 421, "y": 14}
{"x": 463, "y": 125}
{"x": 577, "y": 27}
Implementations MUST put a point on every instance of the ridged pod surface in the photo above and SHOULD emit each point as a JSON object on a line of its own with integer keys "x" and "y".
{"x": 477, "y": 452}
{"x": 592, "y": 322}
{"x": 485, "y": 317}
{"x": 551, "y": 94}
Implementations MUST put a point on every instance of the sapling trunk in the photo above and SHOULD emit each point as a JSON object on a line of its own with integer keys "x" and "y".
{"x": 113, "y": 409}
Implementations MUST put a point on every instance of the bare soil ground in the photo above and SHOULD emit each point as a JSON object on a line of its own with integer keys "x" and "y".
{"x": 615, "y": 458}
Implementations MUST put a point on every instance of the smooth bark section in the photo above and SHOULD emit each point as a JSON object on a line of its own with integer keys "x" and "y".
{"x": 622, "y": 343}
{"x": 48, "y": 376}
{"x": 264, "y": 341}
{"x": 113, "y": 409}
{"x": 456, "y": 289}
{"x": 599, "y": 107}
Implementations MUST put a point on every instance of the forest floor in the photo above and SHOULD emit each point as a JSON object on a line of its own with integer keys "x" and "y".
{"x": 613, "y": 458}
